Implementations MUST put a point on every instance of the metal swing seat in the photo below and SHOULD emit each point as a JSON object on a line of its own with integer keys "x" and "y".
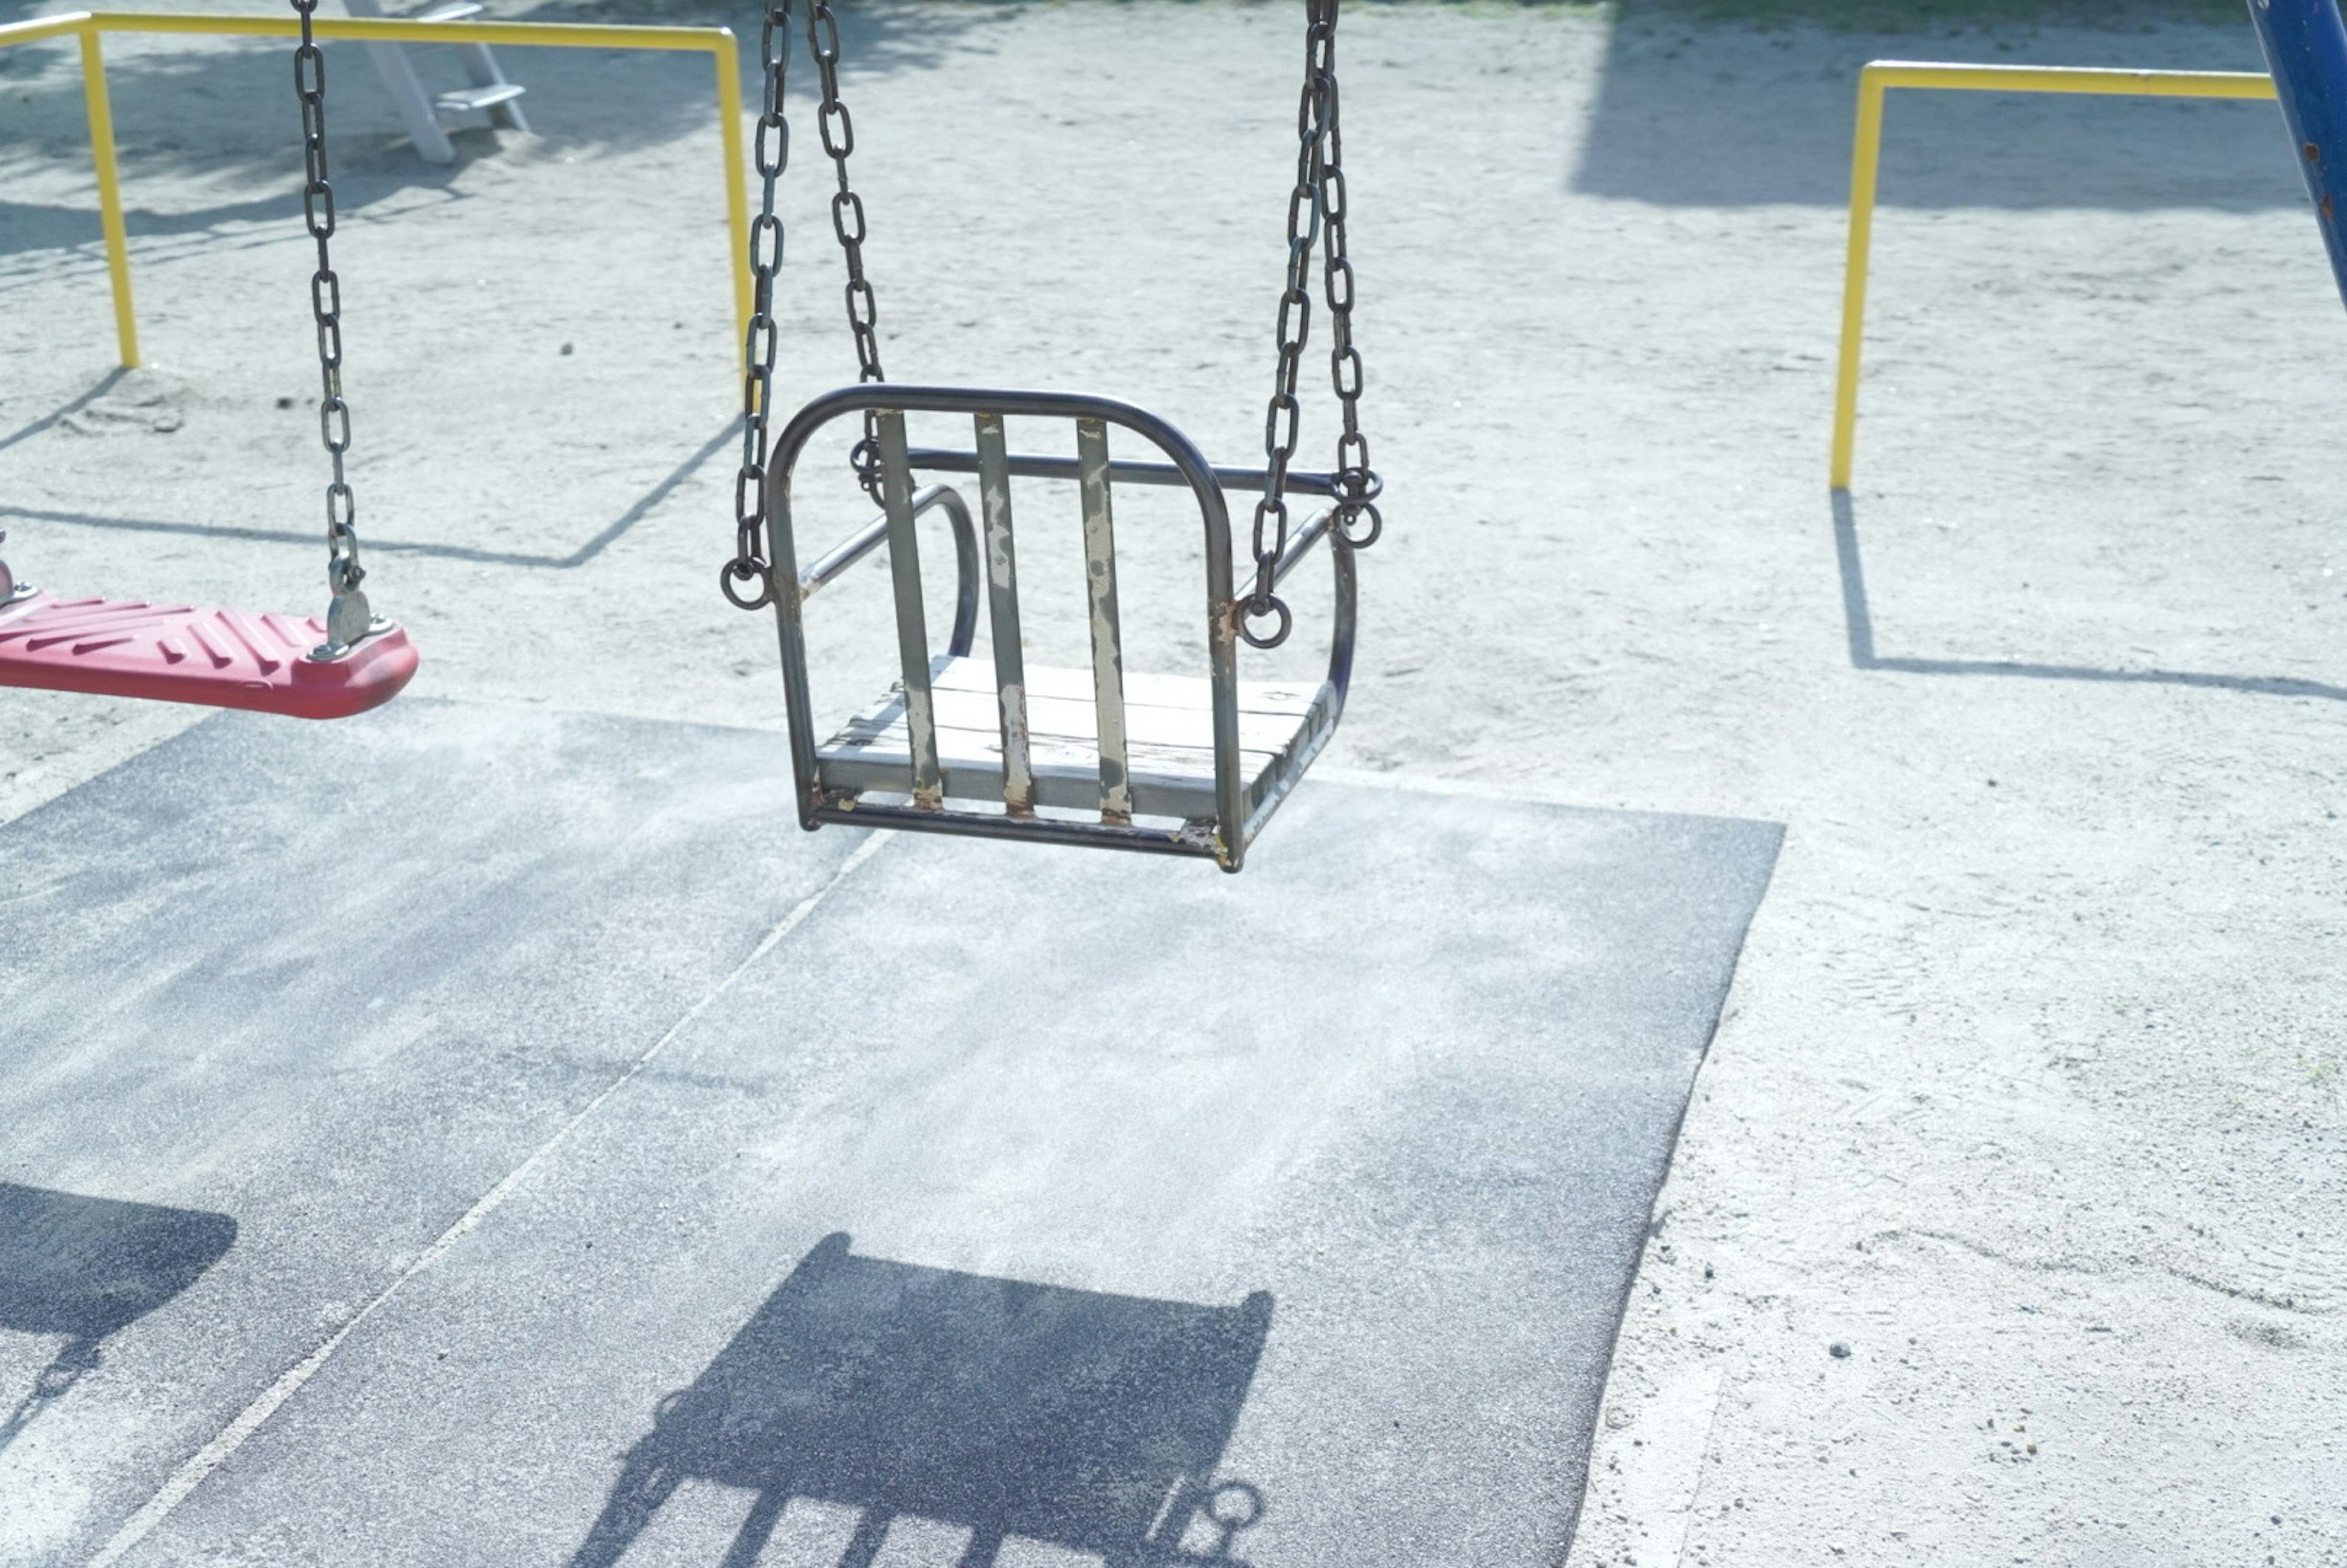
{"x": 329, "y": 667}
{"x": 1103, "y": 756}
{"x": 1019, "y": 751}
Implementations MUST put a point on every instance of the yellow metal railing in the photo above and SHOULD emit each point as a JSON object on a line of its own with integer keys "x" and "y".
{"x": 1866, "y": 159}
{"x": 88, "y": 26}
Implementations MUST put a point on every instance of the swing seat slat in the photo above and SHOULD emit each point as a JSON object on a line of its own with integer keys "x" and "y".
{"x": 186, "y": 654}
{"x": 1169, "y": 727}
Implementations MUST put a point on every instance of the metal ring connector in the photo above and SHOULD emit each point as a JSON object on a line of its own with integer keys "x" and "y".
{"x": 752, "y": 569}
{"x": 1345, "y": 515}
{"x": 1248, "y": 608}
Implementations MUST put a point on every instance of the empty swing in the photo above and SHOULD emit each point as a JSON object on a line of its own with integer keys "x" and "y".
{"x": 345, "y": 664}
{"x": 1174, "y": 764}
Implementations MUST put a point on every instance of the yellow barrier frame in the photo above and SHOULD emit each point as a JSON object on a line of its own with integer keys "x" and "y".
{"x": 1866, "y": 159}
{"x": 88, "y": 26}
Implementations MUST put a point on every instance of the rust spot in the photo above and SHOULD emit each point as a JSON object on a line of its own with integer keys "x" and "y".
{"x": 2313, "y": 153}
{"x": 2326, "y": 207}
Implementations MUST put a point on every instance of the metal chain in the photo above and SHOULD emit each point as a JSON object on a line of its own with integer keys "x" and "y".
{"x": 773, "y": 143}
{"x": 1305, "y": 205}
{"x": 348, "y": 620}
{"x": 1357, "y": 483}
{"x": 847, "y": 223}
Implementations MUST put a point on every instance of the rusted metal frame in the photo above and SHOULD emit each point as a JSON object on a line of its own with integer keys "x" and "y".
{"x": 1199, "y": 840}
{"x": 853, "y": 549}
{"x": 912, "y": 619}
{"x": 1002, "y": 604}
{"x": 1027, "y": 466}
{"x": 1229, "y": 829}
{"x": 1107, "y": 627}
{"x": 1340, "y": 665}
{"x": 790, "y": 632}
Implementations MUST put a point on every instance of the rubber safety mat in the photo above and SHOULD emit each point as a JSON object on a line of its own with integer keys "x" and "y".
{"x": 463, "y": 1136}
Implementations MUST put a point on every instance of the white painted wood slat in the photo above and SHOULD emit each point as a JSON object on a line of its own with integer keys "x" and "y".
{"x": 1169, "y": 723}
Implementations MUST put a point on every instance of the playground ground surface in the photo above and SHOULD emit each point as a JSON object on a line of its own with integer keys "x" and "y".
{"x": 2029, "y": 1092}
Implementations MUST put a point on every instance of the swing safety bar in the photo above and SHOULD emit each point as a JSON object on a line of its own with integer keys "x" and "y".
{"x": 1299, "y": 483}
{"x": 832, "y": 566}
{"x": 86, "y": 26}
{"x": 1866, "y": 163}
{"x": 894, "y": 749}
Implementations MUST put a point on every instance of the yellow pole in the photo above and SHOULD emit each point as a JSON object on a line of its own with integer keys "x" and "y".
{"x": 109, "y": 191}
{"x": 1865, "y": 166}
{"x": 737, "y": 190}
{"x": 402, "y": 30}
{"x": 2092, "y": 79}
{"x": 717, "y": 41}
{"x": 1866, "y": 163}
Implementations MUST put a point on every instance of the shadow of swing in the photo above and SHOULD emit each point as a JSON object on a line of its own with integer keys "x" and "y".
{"x": 1858, "y": 619}
{"x": 86, "y": 1268}
{"x": 1086, "y": 1421}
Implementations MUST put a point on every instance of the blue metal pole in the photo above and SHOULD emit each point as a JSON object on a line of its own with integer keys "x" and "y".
{"x": 2306, "y": 50}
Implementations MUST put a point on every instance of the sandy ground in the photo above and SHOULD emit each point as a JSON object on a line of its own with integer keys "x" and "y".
{"x": 2030, "y": 1094}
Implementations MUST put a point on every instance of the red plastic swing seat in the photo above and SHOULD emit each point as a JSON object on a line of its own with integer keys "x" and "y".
{"x": 181, "y": 653}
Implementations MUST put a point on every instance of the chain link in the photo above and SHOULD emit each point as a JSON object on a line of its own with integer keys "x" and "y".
{"x": 1356, "y": 484}
{"x": 847, "y": 224}
{"x": 1305, "y": 206}
{"x": 344, "y": 573}
{"x": 773, "y": 146}
{"x": 1316, "y": 206}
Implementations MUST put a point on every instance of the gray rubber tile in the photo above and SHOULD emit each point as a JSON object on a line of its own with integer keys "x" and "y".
{"x": 1018, "y": 1206}
{"x": 316, "y": 988}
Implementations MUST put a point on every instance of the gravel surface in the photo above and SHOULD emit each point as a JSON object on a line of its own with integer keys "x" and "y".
{"x": 2030, "y": 1095}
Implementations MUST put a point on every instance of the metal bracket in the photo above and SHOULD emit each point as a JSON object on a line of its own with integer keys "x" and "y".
{"x": 11, "y": 589}
{"x": 349, "y": 622}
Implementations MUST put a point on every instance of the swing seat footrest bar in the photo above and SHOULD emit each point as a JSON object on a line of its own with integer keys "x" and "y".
{"x": 183, "y": 653}
{"x": 1169, "y": 746}
{"x": 1195, "y": 839}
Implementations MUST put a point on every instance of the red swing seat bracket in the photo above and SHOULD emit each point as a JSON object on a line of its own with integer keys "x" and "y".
{"x": 183, "y": 653}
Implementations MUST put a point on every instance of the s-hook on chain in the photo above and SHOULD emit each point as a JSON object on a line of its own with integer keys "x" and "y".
{"x": 749, "y": 565}
{"x": 347, "y": 617}
{"x": 847, "y": 222}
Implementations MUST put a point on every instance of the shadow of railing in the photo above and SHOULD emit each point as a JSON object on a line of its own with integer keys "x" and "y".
{"x": 67, "y": 410}
{"x": 604, "y": 539}
{"x": 1087, "y": 1421}
{"x": 1858, "y": 617}
{"x": 86, "y": 1267}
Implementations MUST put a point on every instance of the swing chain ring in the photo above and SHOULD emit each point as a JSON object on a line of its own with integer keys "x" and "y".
{"x": 773, "y": 144}
{"x": 1246, "y": 609}
{"x": 838, "y": 131}
{"x": 1357, "y": 492}
{"x": 344, "y": 573}
{"x": 750, "y": 570}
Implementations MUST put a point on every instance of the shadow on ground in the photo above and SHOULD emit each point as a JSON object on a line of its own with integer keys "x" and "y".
{"x": 595, "y": 544}
{"x": 1858, "y": 617}
{"x": 1742, "y": 116}
{"x": 1001, "y": 1408}
{"x": 87, "y": 1267}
